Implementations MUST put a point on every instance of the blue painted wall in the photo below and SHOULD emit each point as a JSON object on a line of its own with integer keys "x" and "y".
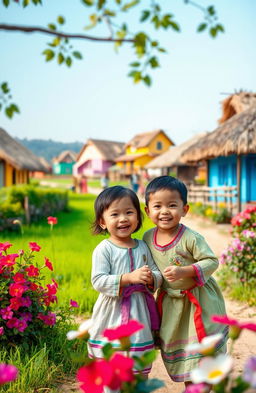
{"x": 222, "y": 172}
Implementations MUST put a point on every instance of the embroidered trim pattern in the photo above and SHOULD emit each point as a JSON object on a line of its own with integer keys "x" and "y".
{"x": 172, "y": 243}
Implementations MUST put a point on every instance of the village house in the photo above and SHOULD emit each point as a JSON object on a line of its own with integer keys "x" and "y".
{"x": 141, "y": 149}
{"x": 63, "y": 164}
{"x": 96, "y": 157}
{"x": 230, "y": 150}
{"x": 16, "y": 161}
{"x": 172, "y": 163}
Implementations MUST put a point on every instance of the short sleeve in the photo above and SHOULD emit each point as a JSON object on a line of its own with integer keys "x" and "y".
{"x": 102, "y": 279}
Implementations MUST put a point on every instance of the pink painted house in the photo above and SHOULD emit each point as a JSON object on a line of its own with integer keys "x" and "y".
{"x": 96, "y": 157}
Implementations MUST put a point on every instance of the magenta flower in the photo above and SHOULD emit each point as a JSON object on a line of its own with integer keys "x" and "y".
{"x": 1, "y": 331}
{"x": 94, "y": 376}
{"x": 236, "y": 326}
{"x": 6, "y": 313}
{"x": 123, "y": 331}
{"x": 34, "y": 246}
{"x": 19, "y": 278}
{"x": 4, "y": 246}
{"x": 48, "y": 263}
{"x": 249, "y": 373}
{"x": 197, "y": 388}
{"x": 8, "y": 373}
{"x": 32, "y": 271}
{"x": 73, "y": 303}
{"x": 49, "y": 319}
{"x": 122, "y": 370}
{"x": 17, "y": 289}
{"x": 52, "y": 220}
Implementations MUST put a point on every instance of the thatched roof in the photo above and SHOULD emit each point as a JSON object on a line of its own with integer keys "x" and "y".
{"x": 65, "y": 156}
{"x": 236, "y": 103}
{"x": 18, "y": 155}
{"x": 236, "y": 136}
{"x": 172, "y": 157}
{"x": 108, "y": 149}
{"x": 144, "y": 139}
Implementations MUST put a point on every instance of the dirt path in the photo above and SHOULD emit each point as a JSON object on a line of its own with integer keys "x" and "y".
{"x": 218, "y": 237}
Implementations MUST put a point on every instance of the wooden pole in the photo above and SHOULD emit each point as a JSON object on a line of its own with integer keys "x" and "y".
{"x": 238, "y": 176}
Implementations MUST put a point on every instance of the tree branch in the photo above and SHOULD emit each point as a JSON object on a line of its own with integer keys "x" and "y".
{"x": 34, "y": 29}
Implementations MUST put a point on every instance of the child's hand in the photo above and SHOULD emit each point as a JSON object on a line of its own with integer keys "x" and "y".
{"x": 173, "y": 273}
{"x": 142, "y": 275}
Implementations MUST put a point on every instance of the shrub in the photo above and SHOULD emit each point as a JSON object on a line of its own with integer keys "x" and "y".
{"x": 25, "y": 305}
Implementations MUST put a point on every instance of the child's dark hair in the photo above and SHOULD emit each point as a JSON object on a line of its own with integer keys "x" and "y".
{"x": 166, "y": 183}
{"x": 104, "y": 200}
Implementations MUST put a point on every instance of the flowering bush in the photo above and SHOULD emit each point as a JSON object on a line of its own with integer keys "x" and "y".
{"x": 8, "y": 373}
{"x": 214, "y": 372}
{"x": 25, "y": 305}
{"x": 240, "y": 254}
{"x": 115, "y": 370}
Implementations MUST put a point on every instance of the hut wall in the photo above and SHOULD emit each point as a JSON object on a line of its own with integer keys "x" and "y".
{"x": 222, "y": 171}
{"x": 248, "y": 178}
{"x": 9, "y": 175}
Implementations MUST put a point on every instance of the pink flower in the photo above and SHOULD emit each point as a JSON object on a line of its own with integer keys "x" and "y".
{"x": 48, "y": 264}
{"x": 26, "y": 301}
{"x": 94, "y": 376}
{"x": 122, "y": 370}
{"x": 34, "y": 246}
{"x": 73, "y": 303}
{"x": 4, "y": 246}
{"x": 197, "y": 388}
{"x": 32, "y": 271}
{"x": 49, "y": 319}
{"x": 52, "y": 220}
{"x": 236, "y": 326}
{"x": 6, "y": 313}
{"x": 1, "y": 330}
{"x": 19, "y": 278}
{"x": 17, "y": 289}
{"x": 15, "y": 303}
{"x": 21, "y": 325}
{"x": 8, "y": 373}
{"x": 123, "y": 331}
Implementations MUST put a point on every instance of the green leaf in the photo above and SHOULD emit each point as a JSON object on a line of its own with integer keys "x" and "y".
{"x": 77, "y": 55}
{"x": 149, "y": 357}
{"x": 220, "y": 27}
{"x": 150, "y": 385}
{"x": 136, "y": 75}
{"x": 162, "y": 50}
{"x": 129, "y": 5}
{"x": 213, "y": 32}
{"x": 15, "y": 108}
{"x": 9, "y": 112}
{"x": 154, "y": 43}
{"x": 153, "y": 62}
{"x": 174, "y": 25}
{"x": 1, "y": 106}
{"x": 60, "y": 58}
{"x": 5, "y": 88}
{"x": 211, "y": 10}
{"x": 135, "y": 64}
{"x": 145, "y": 15}
{"x": 100, "y": 4}
{"x": 61, "y": 20}
{"x": 109, "y": 12}
{"x": 147, "y": 80}
{"x": 201, "y": 27}
{"x": 6, "y": 2}
{"x": 26, "y": 3}
{"x": 52, "y": 26}
{"x": 88, "y": 2}
{"x": 69, "y": 61}
{"x": 56, "y": 41}
{"x": 49, "y": 54}
{"x": 108, "y": 351}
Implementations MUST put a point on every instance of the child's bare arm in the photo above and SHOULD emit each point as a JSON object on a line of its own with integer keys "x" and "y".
{"x": 142, "y": 275}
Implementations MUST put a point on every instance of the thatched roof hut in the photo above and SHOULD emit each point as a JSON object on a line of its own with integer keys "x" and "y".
{"x": 173, "y": 156}
{"x": 18, "y": 155}
{"x": 237, "y": 135}
{"x": 236, "y": 103}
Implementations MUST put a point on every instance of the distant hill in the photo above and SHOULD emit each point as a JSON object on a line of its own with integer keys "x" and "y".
{"x": 49, "y": 148}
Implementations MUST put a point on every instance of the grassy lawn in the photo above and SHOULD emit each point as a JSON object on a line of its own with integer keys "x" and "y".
{"x": 65, "y": 181}
{"x": 69, "y": 246}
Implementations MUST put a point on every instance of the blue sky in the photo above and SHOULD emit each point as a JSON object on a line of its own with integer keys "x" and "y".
{"x": 96, "y": 99}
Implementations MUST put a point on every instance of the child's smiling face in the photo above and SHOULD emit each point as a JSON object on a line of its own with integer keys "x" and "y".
{"x": 165, "y": 209}
{"x": 120, "y": 219}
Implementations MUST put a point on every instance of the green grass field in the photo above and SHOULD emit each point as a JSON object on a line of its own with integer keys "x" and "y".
{"x": 69, "y": 246}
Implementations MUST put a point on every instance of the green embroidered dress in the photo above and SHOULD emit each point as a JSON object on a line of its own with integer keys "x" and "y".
{"x": 178, "y": 327}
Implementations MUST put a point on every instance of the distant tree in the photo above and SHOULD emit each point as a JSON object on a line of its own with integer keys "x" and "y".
{"x": 109, "y": 12}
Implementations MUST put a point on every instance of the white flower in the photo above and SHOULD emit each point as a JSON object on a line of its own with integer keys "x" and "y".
{"x": 212, "y": 370}
{"x": 206, "y": 346}
{"x": 81, "y": 331}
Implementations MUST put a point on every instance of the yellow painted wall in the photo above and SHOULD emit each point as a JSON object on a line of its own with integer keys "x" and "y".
{"x": 165, "y": 144}
{"x": 21, "y": 175}
{"x": 8, "y": 174}
{"x": 131, "y": 150}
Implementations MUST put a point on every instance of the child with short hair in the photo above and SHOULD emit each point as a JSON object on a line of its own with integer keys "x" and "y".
{"x": 123, "y": 272}
{"x": 189, "y": 295}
